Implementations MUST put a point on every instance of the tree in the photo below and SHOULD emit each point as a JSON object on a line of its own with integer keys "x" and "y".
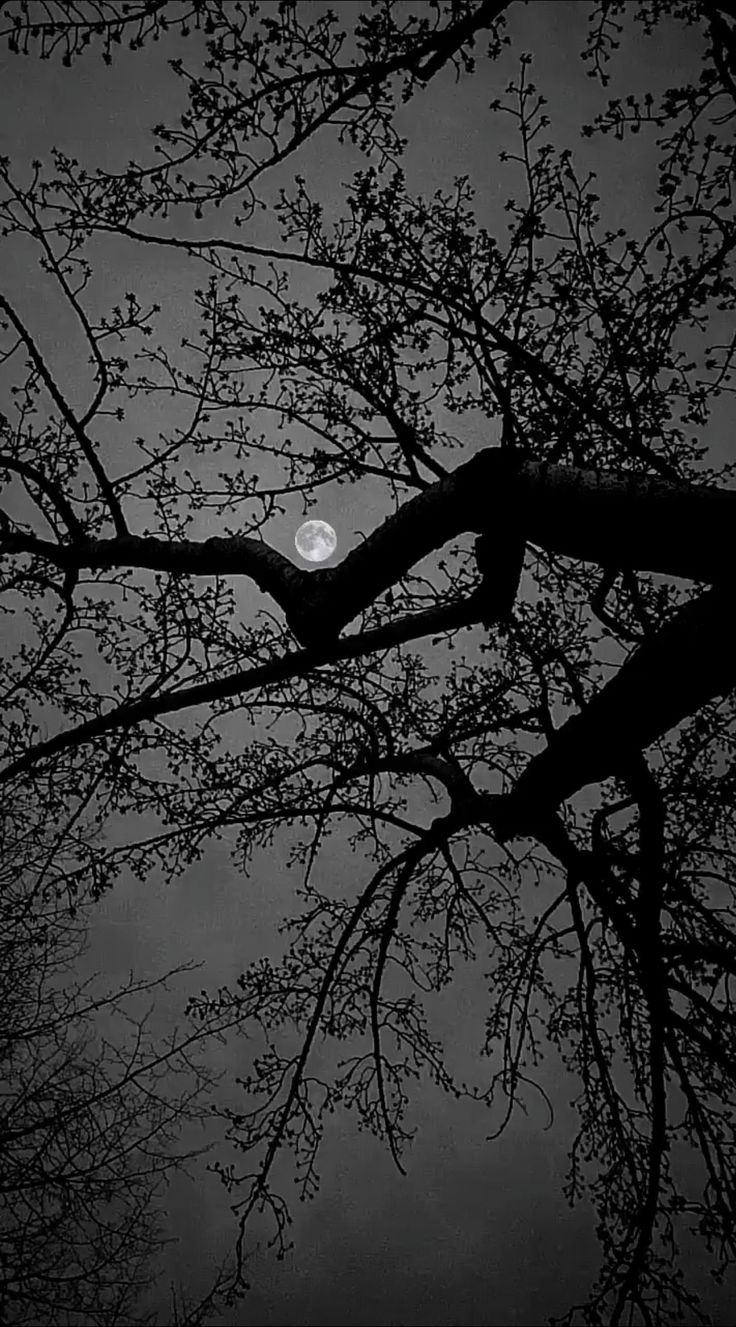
{"x": 566, "y": 584}
{"x": 91, "y": 1116}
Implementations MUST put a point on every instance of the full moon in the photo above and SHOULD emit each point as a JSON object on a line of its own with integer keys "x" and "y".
{"x": 315, "y": 541}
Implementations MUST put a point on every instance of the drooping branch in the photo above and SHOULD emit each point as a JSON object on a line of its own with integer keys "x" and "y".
{"x": 50, "y": 489}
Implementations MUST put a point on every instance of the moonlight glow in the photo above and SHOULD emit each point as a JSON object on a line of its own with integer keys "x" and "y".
{"x": 315, "y": 541}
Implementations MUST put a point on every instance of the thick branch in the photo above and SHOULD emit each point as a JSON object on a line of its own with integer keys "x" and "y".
{"x": 689, "y": 662}
{"x": 449, "y": 41}
{"x": 618, "y": 521}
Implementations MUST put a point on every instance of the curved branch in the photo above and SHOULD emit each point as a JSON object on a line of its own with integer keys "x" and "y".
{"x": 621, "y": 521}
{"x": 55, "y": 495}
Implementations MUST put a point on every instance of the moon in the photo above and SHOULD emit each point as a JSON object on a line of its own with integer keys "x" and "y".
{"x": 315, "y": 541}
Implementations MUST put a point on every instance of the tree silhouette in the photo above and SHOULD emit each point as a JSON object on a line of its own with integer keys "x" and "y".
{"x": 545, "y": 777}
{"x": 91, "y": 1116}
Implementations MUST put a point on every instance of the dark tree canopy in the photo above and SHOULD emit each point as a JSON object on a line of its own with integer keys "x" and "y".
{"x": 509, "y": 703}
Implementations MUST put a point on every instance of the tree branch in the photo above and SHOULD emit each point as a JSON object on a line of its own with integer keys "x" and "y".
{"x": 625, "y": 521}
{"x": 67, "y": 414}
{"x": 691, "y": 660}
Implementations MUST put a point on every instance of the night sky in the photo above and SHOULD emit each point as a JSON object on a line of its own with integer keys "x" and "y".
{"x": 475, "y": 1233}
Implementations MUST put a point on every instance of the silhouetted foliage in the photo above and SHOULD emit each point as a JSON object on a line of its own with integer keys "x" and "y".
{"x": 542, "y": 612}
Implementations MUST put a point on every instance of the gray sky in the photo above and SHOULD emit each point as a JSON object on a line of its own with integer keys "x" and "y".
{"x": 475, "y": 1233}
